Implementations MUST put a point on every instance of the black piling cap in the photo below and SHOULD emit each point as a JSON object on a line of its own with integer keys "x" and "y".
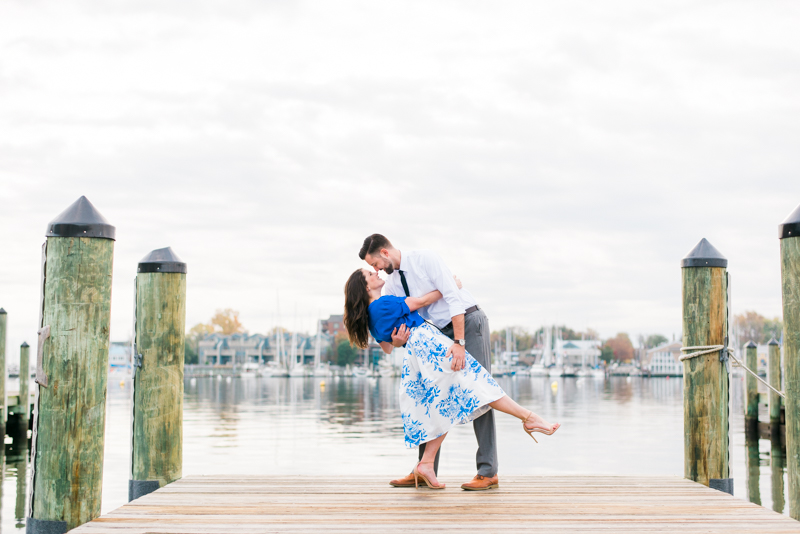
{"x": 81, "y": 219}
{"x": 162, "y": 260}
{"x": 790, "y": 227}
{"x": 2, "y": 311}
{"x": 773, "y": 341}
{"x": 704, "y": 255}
{"x": 750, "y": 345}
{"x": 24, "y": 345}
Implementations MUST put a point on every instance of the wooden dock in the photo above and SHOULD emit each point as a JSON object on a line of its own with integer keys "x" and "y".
{"x": 260, "y": 504}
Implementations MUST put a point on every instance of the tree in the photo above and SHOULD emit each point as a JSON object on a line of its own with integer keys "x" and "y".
{"x": 752, "y": 326}
{"x": 345, "y": 352}
{"x": 227, "y": 322}
{"x": 606, "y": 354}
{"x": 621, "y": 347}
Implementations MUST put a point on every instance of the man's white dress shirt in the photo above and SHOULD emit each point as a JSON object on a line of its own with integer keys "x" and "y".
{"x": 425, "y": 271}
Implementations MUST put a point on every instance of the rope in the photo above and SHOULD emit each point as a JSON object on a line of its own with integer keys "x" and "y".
{"x": 708, "y": 349}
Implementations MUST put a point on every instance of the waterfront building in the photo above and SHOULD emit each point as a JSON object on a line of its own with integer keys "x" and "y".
{"x": 578, "y": 352}
{"x": 119, "y": 356}
{"x": 663, "y": 360}
{"x": 258, "y": 349}
{"x": 333, "y": 325}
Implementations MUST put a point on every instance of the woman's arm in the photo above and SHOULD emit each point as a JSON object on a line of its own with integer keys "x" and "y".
{"x": 415, "y": 303}
{"x": 387, "y": 347}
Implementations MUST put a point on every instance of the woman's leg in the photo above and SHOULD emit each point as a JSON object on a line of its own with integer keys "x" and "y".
{"x": 425, "y": 466}
{"x": 507, "y": 405}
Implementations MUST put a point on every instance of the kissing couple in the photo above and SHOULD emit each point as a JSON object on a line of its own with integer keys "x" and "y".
{"x": 445, "y": 378}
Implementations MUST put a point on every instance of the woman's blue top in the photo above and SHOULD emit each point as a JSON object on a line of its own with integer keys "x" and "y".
{"x": 390, "y": 312}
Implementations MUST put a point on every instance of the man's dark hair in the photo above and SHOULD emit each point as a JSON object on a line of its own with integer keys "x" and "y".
{"x": 373, "y": 244}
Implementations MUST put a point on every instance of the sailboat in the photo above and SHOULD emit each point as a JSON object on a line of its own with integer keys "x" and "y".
{"x": 319, "y": 369}
{"x": 279, "y": 370}
{"x": 296, "y": 359}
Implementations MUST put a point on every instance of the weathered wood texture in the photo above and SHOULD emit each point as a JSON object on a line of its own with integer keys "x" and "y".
{"x": 790, "y": 277}
{"x": 158, "y": 391}
{"x": 249, "y": 504}
{"x": 775, "y": 381}
{"x": 705, "y": 380}
{"x": 751, "y": 384}
{"x": 3, "y": 407}
{"x": 24, "y": 381}
{"x": 68, "y": 461}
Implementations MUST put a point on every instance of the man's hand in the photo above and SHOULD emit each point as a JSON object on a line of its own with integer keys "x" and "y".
{"x": 459, "y": 356}
{"x": 400, "y": 336}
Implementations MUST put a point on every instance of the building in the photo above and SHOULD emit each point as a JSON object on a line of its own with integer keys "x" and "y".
{"x": 333, "y": 325}
{"x": 663, "y": 360}
{"x": 259, "y": 349}
{"x": 577, "y": 352}
{"x": 119, "y": 356}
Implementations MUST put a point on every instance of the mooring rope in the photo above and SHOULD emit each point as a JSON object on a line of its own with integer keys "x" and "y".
{"x": 708, "y": 349}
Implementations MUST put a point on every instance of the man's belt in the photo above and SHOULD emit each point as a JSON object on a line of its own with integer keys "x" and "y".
{"x": 466, "y": 312}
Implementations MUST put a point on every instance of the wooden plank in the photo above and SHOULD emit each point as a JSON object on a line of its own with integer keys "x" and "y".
{"x": 253, "y": 504}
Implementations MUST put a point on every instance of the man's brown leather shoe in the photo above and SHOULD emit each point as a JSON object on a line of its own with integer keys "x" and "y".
{"x": 405, "y": 482}
{"x": 480, "y": 483}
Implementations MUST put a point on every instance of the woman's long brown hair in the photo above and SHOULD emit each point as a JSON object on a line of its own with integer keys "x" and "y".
{"x": 356, "y": 309}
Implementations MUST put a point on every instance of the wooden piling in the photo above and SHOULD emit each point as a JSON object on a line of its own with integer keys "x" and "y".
{"x": 789, "y": 234}
{"x": 751, "y": 387}
{"x": 72, "y": 371}
{"x": 3, "y": 407}
{"x": 24, "y": 380}
{"x": 705, "y": 378}
{"x": 774, "y": 377}
{"x": 157, "y": 454}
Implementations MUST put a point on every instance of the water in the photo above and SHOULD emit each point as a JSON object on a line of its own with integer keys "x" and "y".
{"x": 280, "y": 426}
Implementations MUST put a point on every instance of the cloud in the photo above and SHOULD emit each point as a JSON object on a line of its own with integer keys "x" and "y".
{"x": 561, "y": 157}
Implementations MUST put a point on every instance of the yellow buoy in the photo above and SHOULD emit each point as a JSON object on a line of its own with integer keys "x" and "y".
{"x": 122, "y": 383}
{"x": 554, "y": 386}
{"x": 322, "y": 384}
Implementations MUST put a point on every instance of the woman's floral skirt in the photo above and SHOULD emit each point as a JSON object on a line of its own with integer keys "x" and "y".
{"x": 434, "y": 398}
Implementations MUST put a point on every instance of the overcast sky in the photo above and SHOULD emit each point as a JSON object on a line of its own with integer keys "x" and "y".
{"x": 561, "y": 156}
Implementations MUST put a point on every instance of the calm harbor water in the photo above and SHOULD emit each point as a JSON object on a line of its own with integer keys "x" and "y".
{"x": 286, "y": 426}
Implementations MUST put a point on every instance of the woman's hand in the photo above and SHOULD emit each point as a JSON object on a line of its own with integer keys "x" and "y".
{"x": 458, "y": 282}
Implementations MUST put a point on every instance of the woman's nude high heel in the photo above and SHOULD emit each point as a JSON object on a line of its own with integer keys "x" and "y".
{"x": 418, "y": 475}
{"x": 530, "y": 431}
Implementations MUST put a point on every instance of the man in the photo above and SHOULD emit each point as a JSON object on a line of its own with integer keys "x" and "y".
{"x": 416, "y": 273}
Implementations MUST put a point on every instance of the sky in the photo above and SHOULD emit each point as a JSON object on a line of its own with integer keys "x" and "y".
{"x": 562, "y": 157}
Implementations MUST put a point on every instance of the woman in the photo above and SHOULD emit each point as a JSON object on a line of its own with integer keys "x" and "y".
{"x": 433, "y": 397}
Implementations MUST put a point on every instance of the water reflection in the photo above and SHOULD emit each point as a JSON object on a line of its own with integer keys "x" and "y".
{"x": 753, "y": 465}
{"x": 778, "y": 465}
{"x": 349, "y": 426}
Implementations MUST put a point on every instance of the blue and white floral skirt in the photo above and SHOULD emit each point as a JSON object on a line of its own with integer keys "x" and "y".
{"x": 433, "y": 397}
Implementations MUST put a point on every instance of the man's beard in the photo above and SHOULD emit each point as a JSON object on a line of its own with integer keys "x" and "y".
{"x": 389, "y": 269}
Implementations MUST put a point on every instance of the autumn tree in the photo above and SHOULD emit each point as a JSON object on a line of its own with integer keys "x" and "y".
{"x": 621, "y": 347}
{"x": 752, "y": 326}
{"x": 227, "y": 322}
